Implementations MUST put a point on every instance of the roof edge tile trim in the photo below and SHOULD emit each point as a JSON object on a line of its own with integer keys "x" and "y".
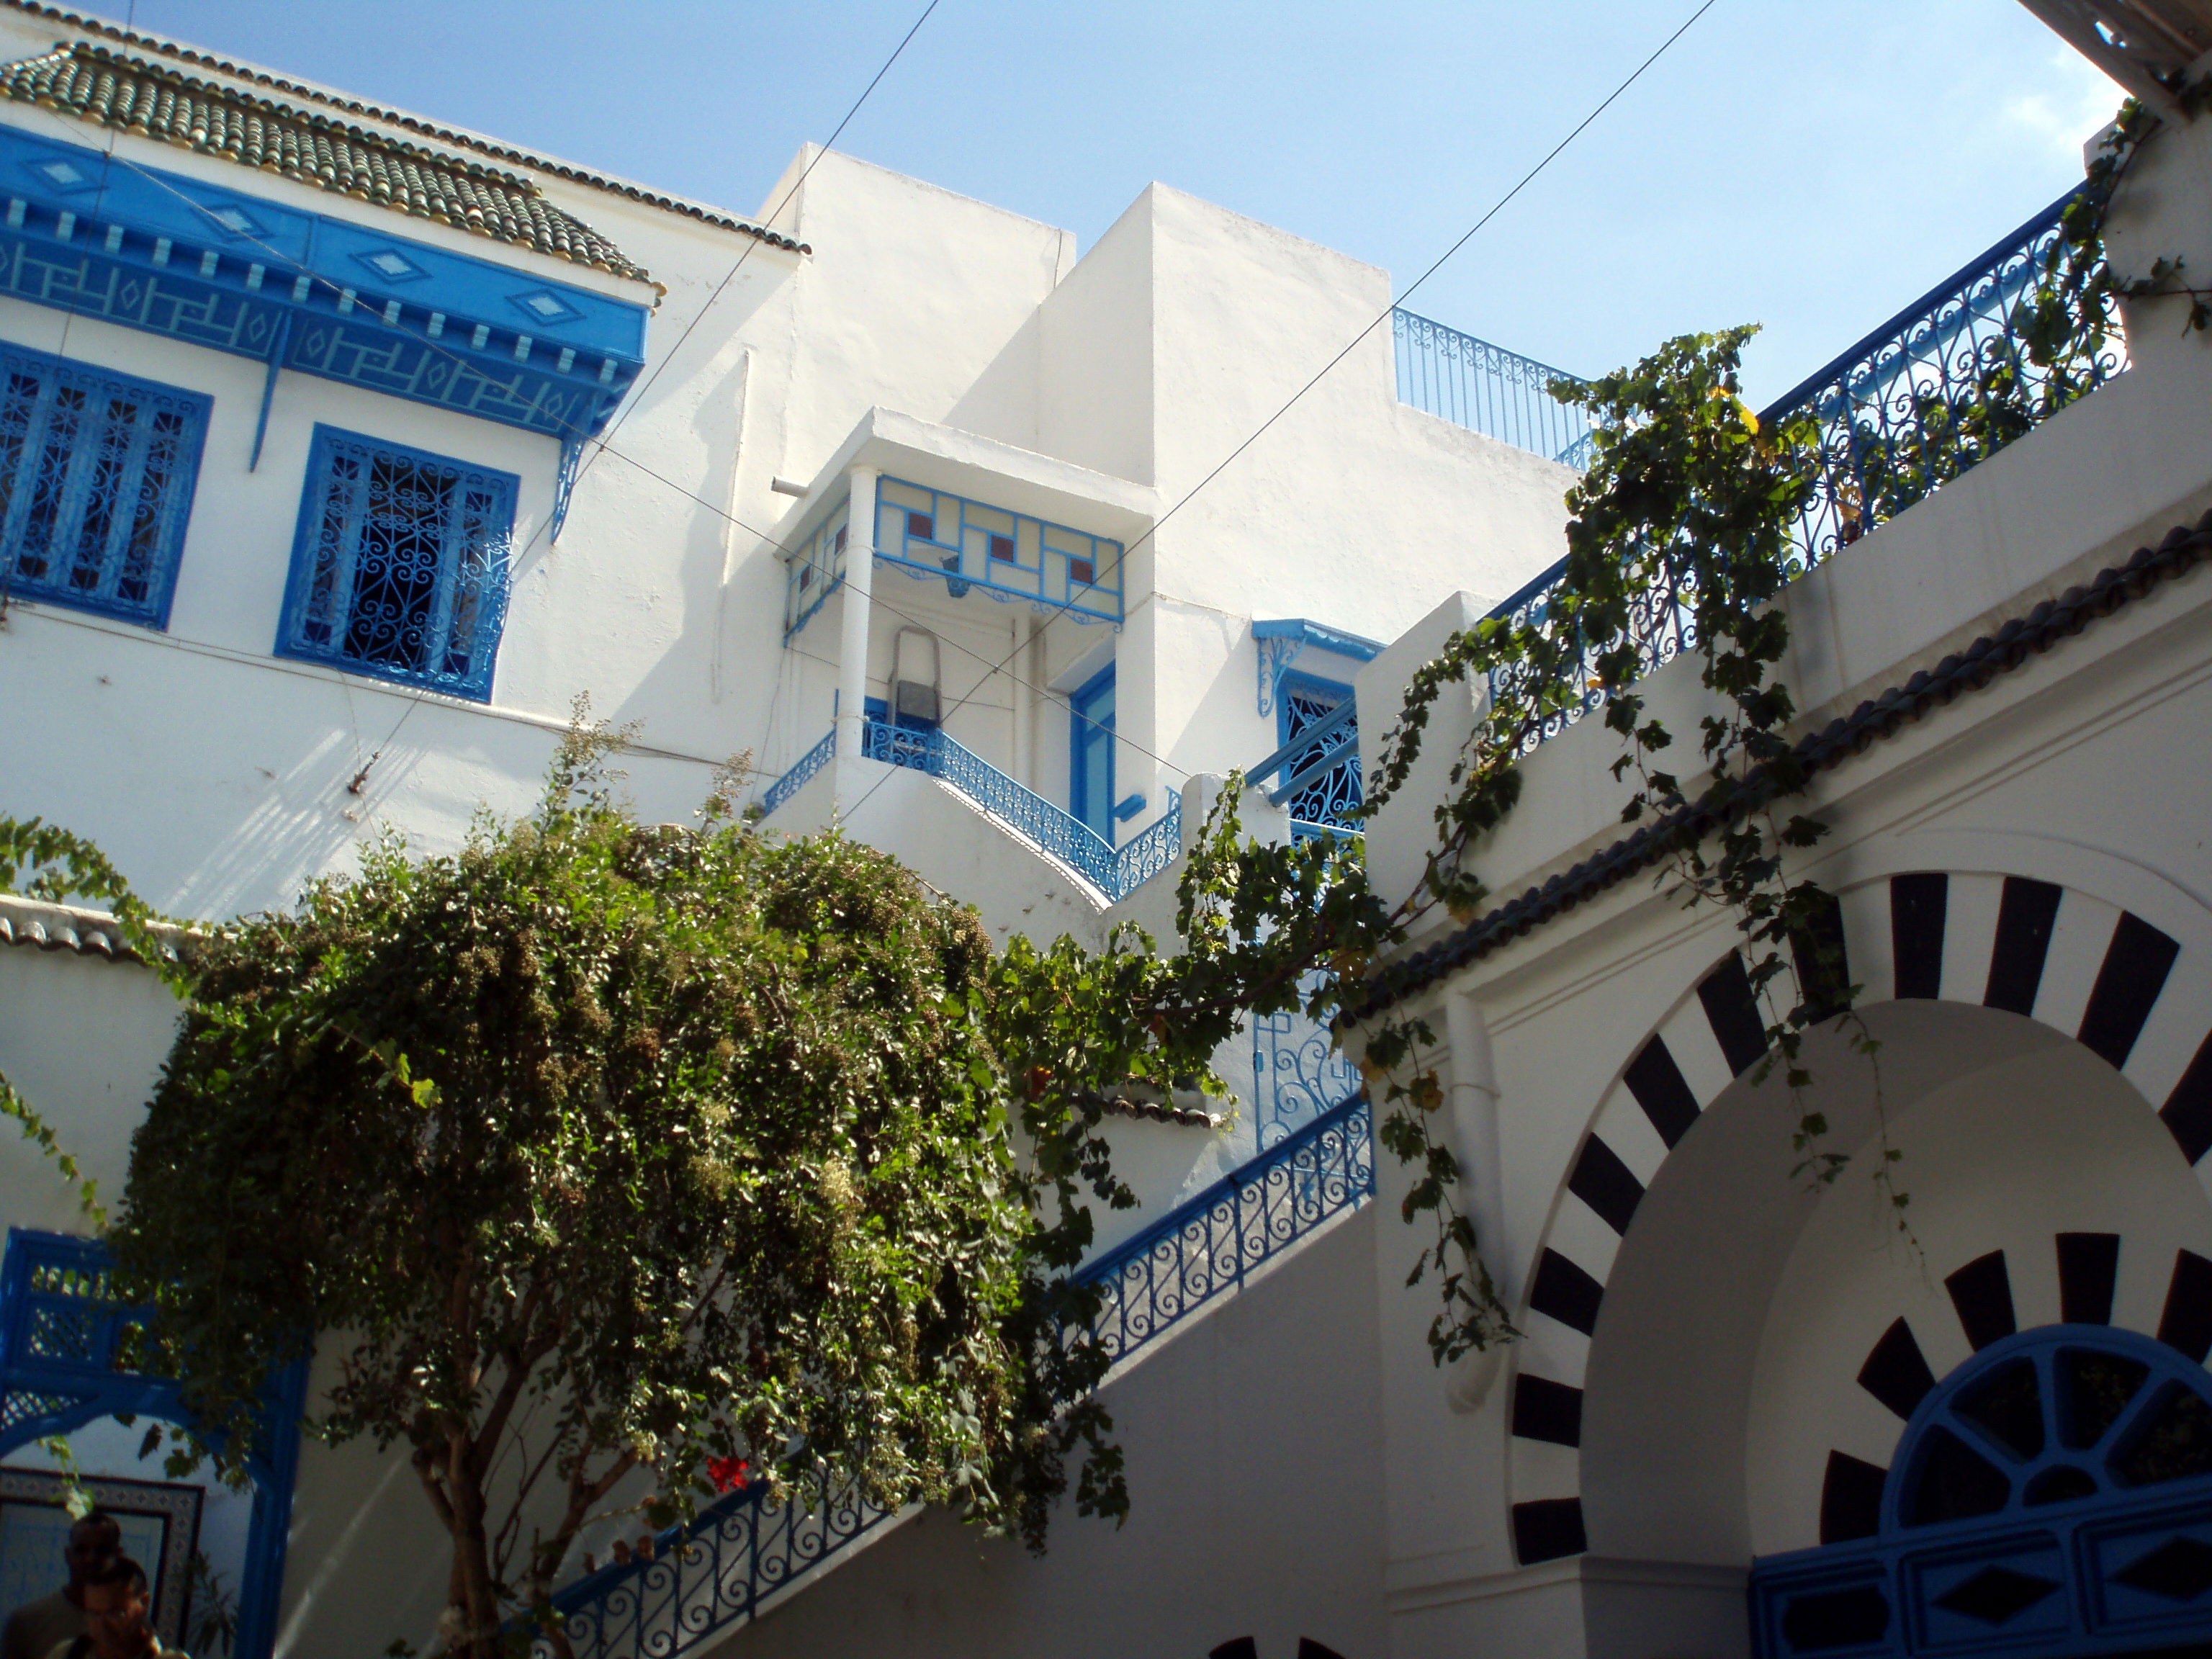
{"x": 112, "y": 89}
{"x": 52, "y": 926}
{"x": 566, "y": 170}
{"x": 2183, "y": 547}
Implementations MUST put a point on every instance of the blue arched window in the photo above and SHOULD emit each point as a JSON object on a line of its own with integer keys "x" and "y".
{"x": 61, "y": 1332}
{"x": 2053, "y": 1496}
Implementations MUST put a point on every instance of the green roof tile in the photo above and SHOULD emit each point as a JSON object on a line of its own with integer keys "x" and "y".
{"x": 145, "y": 99}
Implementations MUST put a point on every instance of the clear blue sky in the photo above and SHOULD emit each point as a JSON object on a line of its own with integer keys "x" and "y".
{"x": 1812, "y": 164}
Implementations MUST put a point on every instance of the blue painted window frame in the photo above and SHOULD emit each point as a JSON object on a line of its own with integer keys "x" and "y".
{"x": 462, "y": 598}
{"x": 1903, "y": 1592}
{"x": 60, "y": 1332}
{"x": 1326, "y": 799}
{"x": 77, "y": 442}
{"x": 1087, "y": 732}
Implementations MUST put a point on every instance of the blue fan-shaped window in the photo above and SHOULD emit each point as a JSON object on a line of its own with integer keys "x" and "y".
{"x": 2053, "y": 1496}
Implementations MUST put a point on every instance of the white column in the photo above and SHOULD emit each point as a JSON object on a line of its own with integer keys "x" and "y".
{"x": 1481, "y": 1190}
{"x": 853, "y": 636}
{"x": 1018, "y": 698}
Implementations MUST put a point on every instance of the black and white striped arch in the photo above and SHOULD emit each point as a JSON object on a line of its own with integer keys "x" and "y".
{"x": 2115, "y": 983}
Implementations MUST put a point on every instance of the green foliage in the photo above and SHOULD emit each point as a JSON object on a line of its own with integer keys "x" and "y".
{"x": 604, "y": 1148}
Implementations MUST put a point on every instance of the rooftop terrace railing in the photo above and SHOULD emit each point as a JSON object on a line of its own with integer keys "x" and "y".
{"x": 726, "y": 1566}
{"x": 1942, "y": 386}
{"x": 1474, "y": 384}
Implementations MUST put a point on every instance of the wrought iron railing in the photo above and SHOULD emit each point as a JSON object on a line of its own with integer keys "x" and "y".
{"x": 1115, "y": 872}
{"x": 1498, "y": 392}
{"x": 740, "y": 1554}
{"x": 1940, "y": 386}
{"x": 1217, "y": 1241}
{"x": 795, "y": 780}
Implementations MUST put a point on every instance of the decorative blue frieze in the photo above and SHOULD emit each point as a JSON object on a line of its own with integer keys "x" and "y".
{"x": 150, "y": 249}
{"x": 96, "y": 477}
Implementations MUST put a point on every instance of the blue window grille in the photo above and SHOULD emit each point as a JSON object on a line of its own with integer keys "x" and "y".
{"x": 931, "y": 535}
{"x": 2053, "y": 1496}
{"x": 1330, "y": 795}
{"x": 399, "y": 565}
{"x": 62, "y": 1365}
{"x": 96, "y": 477}
{"x": 1090, "y": 756}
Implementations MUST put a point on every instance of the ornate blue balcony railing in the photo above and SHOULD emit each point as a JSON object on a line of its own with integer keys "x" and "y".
{"x": 740, "y": 1554}
{"x": 795, "y": 780}
{"x": 1211, "y": 1245}
{"x": 1299, "y": 1073}
{"x": 1498, "y": 392}
{"x": 1113, "y": 871}
{"x": 1939, "y": 387}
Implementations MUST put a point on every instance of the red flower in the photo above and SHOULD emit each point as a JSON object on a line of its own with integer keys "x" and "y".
{"x": 728, "y": 1473}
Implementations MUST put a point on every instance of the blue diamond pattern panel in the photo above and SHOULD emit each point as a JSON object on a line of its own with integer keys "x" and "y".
{"x": 237, "y": 221}
{"x": 389, "y": 264}
{"x": 64, "y": 174}
{"x": 542, "y": 306}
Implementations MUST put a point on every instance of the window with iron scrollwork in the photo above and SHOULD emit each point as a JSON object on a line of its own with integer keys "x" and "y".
{"x": 1330, "y": 798}
{"x": 399, "y": 565}
{"x": 96, "y": 476}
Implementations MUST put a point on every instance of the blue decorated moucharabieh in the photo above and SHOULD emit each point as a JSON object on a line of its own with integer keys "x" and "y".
{"x": 339, "y": 296}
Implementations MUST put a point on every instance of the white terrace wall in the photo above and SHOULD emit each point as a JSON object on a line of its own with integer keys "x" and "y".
{"x": 1737, "y": 1307}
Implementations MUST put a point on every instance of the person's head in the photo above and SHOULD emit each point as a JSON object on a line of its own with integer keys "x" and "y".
{"x": 94, "y": 1539}
{"x": 115, "y": 1608}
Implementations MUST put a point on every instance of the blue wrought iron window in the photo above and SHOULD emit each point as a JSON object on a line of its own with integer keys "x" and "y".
{"x": 2053, "y": 1496}
{"x": 399, "y": 565}
{"x": 96, "y": 477}
{"x": 1330, "y": 798}
{"x": 1090, "y": 751}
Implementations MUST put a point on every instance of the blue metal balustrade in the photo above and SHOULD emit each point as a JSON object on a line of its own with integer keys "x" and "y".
{"x": 2053, "y": 1496}
{"x": 1899, "y": 414}
{"x": 795, "y": 780}
{"x": 1113, "y": 871}
{"x": 726, "y": 1566}
{"x": 1474, "y": 384}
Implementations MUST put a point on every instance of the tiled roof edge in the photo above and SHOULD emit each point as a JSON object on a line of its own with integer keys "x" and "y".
{"x": 1969, "y": 669}
{"x": 53, "y": 927}
{"x": 414, "y": 124}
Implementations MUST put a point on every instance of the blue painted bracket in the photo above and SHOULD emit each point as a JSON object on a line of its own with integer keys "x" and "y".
{"x": 1281, "y": 643}
{"x": 1127, "y": 808}
{"x": 572, "y": 460}
{"x": 269, "y": 388}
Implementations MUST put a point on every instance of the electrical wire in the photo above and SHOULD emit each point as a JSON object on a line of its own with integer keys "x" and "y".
{"x": 1527, "y": 179}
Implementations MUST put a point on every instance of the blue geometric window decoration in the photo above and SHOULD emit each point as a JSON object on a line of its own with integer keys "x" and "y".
{"x": 391, "y": 266}
{"x": 96, "y": 476}
{"x": 399, "y": 565}
{"x": 544, "y": 306}
{"x": 62, "y": 1366}
{"x": 2052, "y": 1495}
{"x": 932, "y": 535}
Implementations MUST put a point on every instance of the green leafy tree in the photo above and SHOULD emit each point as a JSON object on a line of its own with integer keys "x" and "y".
{"x": 611, "y": 1158}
